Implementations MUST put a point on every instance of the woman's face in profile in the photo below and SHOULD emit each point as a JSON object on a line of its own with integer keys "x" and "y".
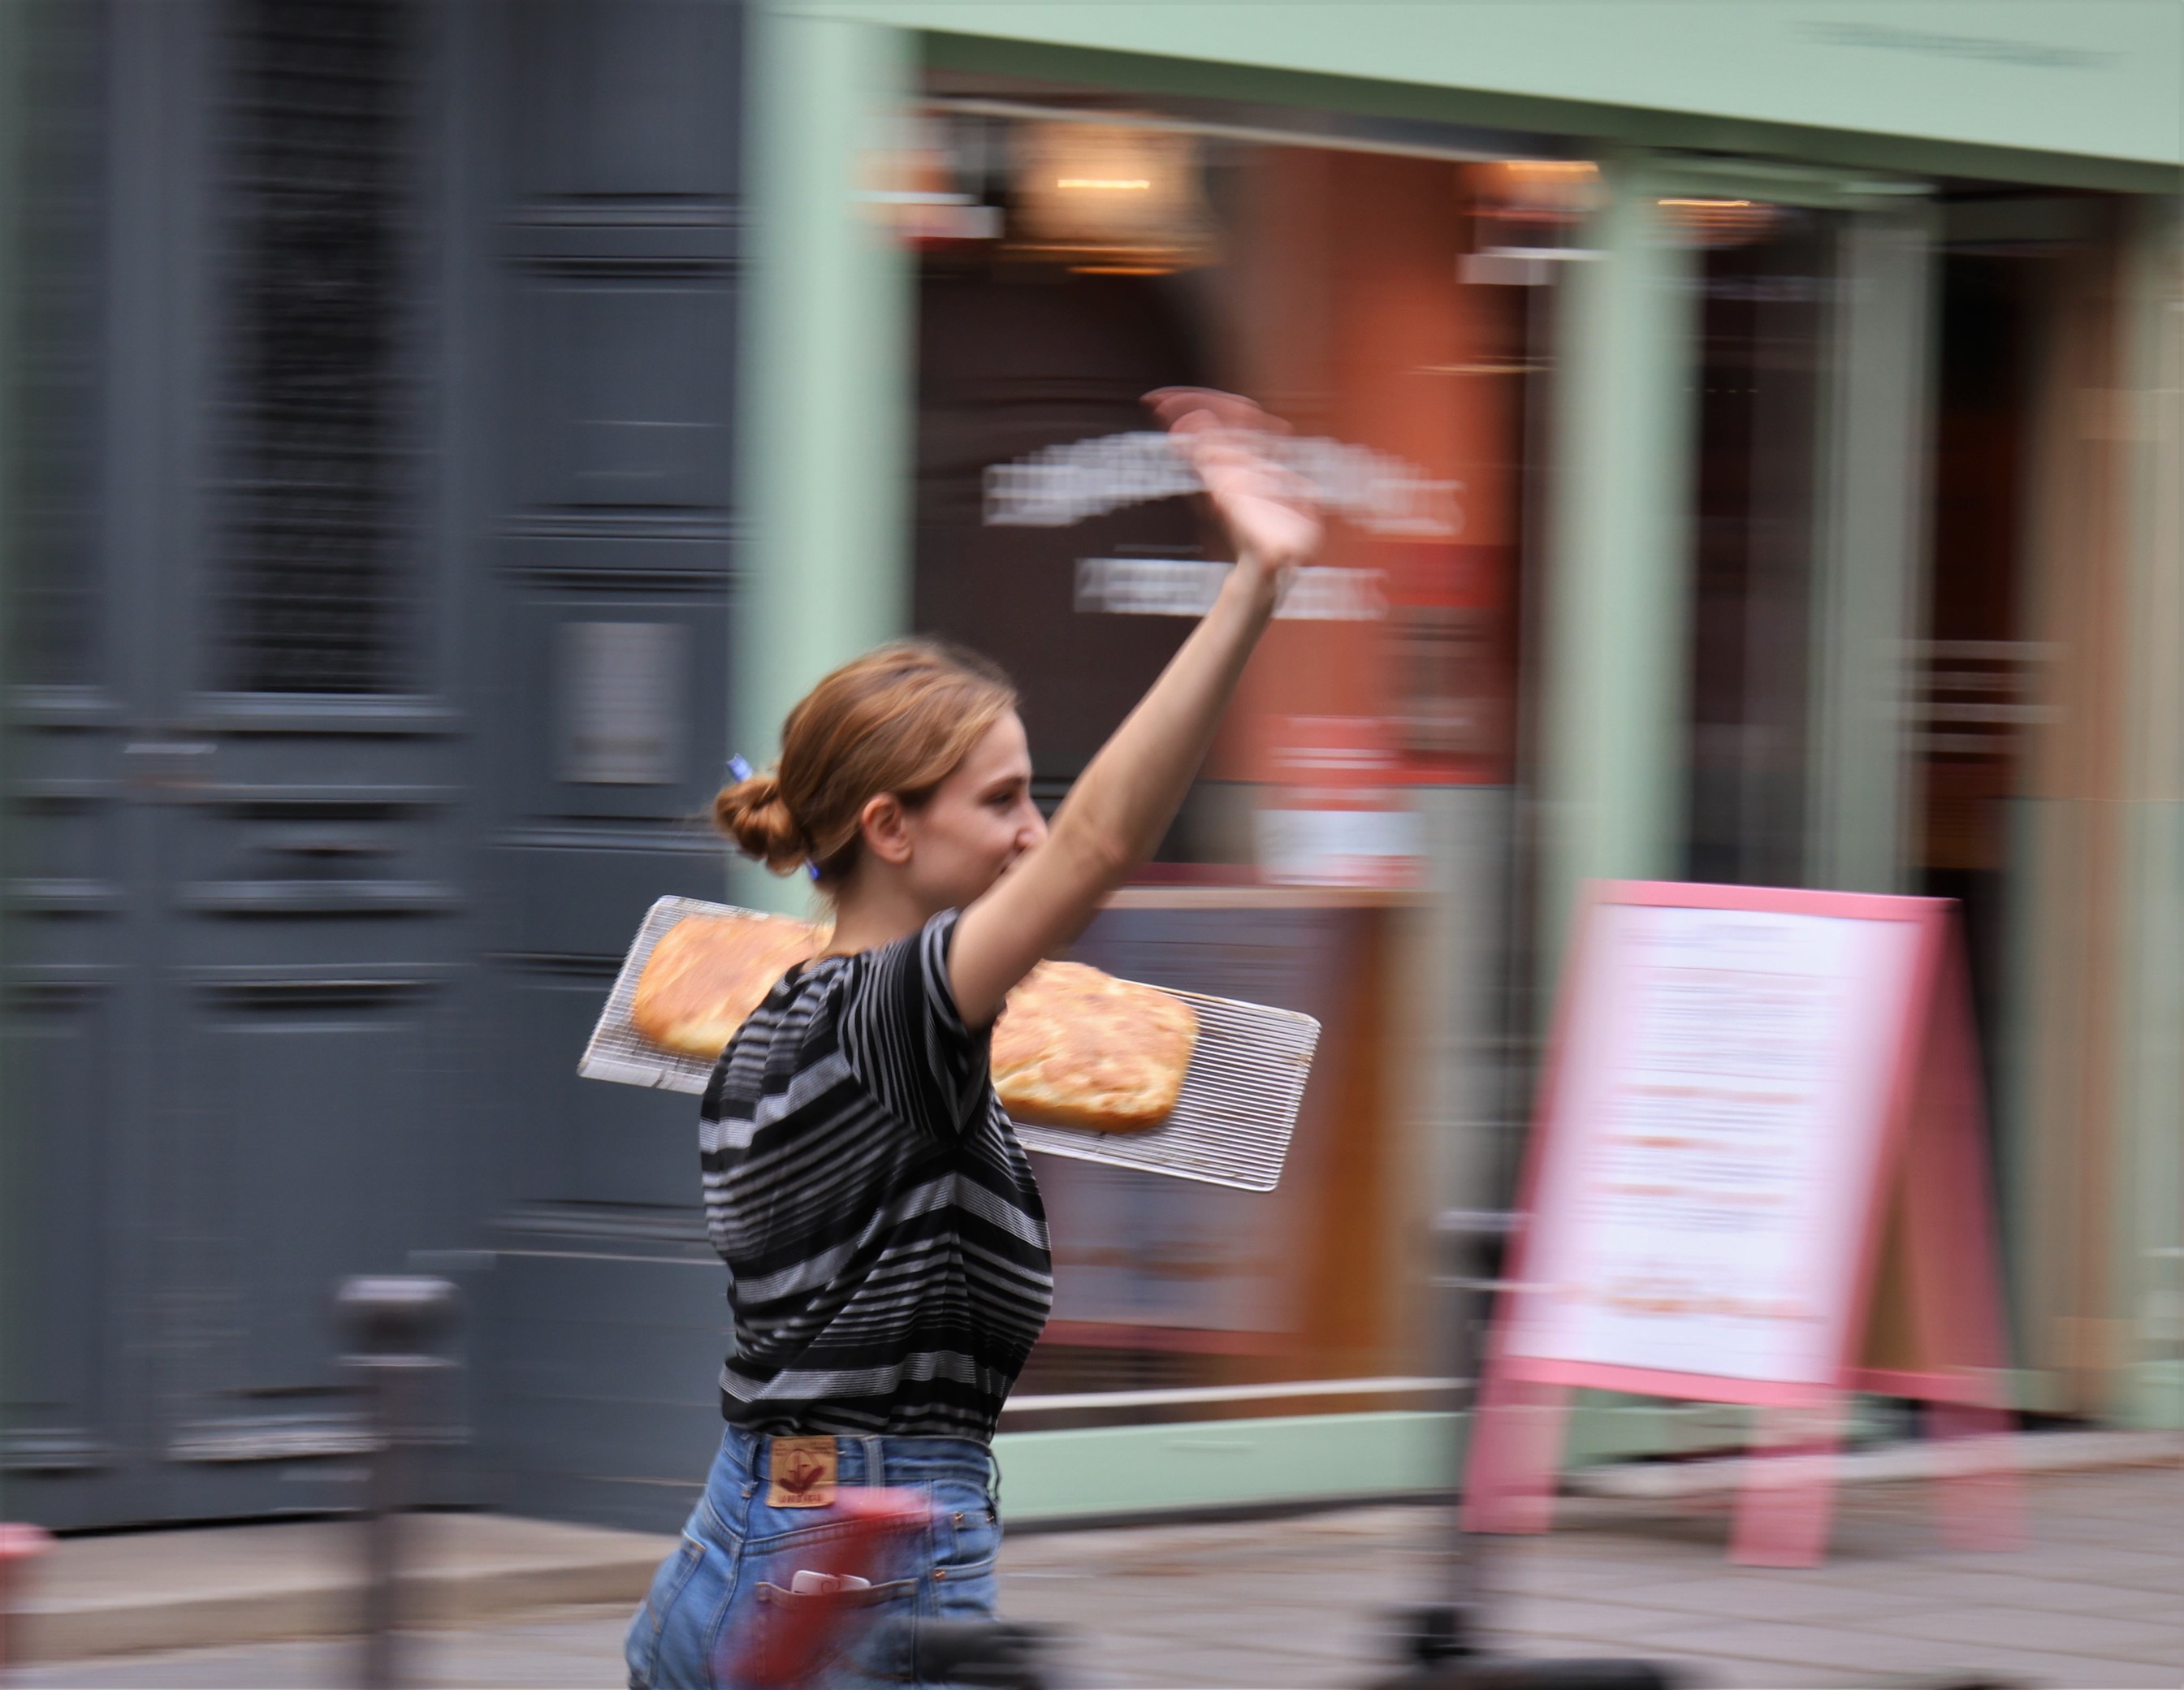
{"x": 978, "y": 821}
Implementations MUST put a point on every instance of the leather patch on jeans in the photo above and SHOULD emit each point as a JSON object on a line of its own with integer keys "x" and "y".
{"x": 801, "y": 1472}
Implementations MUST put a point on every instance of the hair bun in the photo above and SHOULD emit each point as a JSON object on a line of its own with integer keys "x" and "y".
{"x": 897, "y": 720}
{"x": 754, "y": 815}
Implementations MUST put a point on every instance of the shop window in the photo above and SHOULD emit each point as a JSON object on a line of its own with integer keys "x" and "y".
{"x": 1392, "y": 309}
{"x": 1764, "y": 275}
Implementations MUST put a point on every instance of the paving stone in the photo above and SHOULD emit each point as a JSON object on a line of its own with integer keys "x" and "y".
{"x": 1743, "y": 1599}
{"x": 2110, "y": 1635}
{"x": 1589, "y": 1570}
{"x": 1845, "y": 1652}
{"x": 2158, "y": 1572}
{"x": 1188, "y": 1668}
{"x": 2026, "y": 1589}
{"x": 580, "y": 1650}
{"x": 1598, "y": 1622}
{"x": 2156, "y": 1607}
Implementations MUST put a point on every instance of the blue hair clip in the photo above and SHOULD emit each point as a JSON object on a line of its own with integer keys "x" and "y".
{"x": 738, "y": 769}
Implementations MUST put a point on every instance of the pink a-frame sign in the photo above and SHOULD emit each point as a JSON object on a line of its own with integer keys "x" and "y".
{"x": 1755, "y": 1177}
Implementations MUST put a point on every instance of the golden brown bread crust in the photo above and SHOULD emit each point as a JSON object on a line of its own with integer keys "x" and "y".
{"x": 1073, "y": 1047}
{"x": 708, "y": 972}
{"x": 1077, "y": 1048}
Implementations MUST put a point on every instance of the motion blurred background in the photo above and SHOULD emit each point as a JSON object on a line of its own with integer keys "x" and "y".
{"x": 438, "y": 432}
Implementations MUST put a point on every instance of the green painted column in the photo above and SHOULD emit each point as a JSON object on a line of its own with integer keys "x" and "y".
{"x": 1617, "y": 592}
{"x": 2148, "y": 1259}
{"x": 825, "y": 417}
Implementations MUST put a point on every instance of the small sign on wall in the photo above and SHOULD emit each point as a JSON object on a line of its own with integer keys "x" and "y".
{"x": 624, "y": 691}
{"x": 1335, "y": 813}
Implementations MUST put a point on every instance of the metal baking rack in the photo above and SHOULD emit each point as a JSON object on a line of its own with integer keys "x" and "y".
{"x": 1231, "y": 1125}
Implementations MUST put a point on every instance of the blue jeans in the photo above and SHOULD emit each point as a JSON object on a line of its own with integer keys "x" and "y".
{"x": 737, "y": 1554}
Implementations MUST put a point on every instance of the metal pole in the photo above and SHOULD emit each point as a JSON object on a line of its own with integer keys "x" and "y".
{"x": 1474, "y": 1242}
{"x": 392, "y": 1322}
{"x": 1442, "y": 1645}
{"x": 1470, "y": 1243}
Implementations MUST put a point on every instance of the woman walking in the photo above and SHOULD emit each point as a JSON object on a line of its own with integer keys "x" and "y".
{"x": 886, "y": 1245}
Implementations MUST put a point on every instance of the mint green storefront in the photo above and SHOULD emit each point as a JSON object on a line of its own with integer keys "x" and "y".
{"x": 1858, "y": 110}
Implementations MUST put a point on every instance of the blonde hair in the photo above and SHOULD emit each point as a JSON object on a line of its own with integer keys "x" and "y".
{"x": 898, "y": 719}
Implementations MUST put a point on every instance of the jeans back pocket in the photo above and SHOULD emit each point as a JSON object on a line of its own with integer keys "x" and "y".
{"x": 841, "y": 1638}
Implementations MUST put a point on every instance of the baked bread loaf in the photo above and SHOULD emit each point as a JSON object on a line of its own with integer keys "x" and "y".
{"x": 1077, "y": 1048}
{"x": 708, "y": 972}
{"x": 1073, "y": 1047}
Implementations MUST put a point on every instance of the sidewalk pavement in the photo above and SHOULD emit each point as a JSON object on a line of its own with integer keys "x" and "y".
{"x": 240, "y": 1584}
{"x": 2095, "y": 1600}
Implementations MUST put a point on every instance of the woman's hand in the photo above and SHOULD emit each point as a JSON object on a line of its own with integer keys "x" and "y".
{"x": 1124, "y": 800}
{"x": 1269, "y": 511}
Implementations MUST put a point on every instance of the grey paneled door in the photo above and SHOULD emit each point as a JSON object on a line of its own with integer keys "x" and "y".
{"x": 238, "y": 908}
{"x": 365, "y": 681}
{"x": 602, "y": 344}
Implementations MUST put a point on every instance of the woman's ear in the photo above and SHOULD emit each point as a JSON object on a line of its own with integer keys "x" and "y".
{"x": 885, "y": 825}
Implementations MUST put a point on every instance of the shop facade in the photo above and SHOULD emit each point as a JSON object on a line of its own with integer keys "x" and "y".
{"x": 1761, "y": 432}
{"x": 436, "y": 436}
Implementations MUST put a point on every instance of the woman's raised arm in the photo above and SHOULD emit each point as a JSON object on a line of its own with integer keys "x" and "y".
{"x": 1117, "y": 810}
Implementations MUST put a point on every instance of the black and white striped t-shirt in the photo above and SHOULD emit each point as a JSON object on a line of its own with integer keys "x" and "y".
{"x": 885, "y": 1236}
